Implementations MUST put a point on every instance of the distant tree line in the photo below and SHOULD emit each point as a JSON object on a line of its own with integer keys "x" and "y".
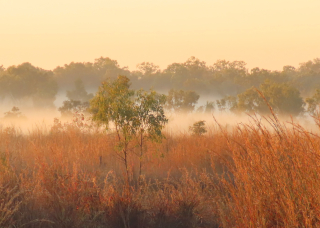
{"x": 291, "y": 90}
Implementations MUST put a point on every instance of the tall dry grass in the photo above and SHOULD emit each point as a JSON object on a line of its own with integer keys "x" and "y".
{"x": 254, "y": 175}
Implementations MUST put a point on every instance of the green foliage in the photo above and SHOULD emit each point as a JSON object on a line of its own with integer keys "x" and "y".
{"x": 147, "y": 68}
{"x": 149, "y": 119}
{"x": 182, "y": 101}
{"x": 251, "y": 101}
{"x": 308, "y": 76}
{"x": 114, "y": 103}
{"x": 79, "y": 93}
{"x": 229, "y": 70}
{"x": 29, "y": 84}
{"x": 26, "y": 81}
{"x": 70, "y": 107}
{"x": 313, "y": 103}
{"x": 137, "y": 115}
{"x": 227, "y": 103}
{"x": 90, "y": 73}
{"x": 146, "y": 75}
{"x": 181, "y": 74}
{"x": 283, "y": 99}
{"x": 198, "y": 128}
{"x": 228, "y": 77}
{"x": 149, "y": 114}
{"x": 108, "y": 68}
{"x": 69, "y": 73}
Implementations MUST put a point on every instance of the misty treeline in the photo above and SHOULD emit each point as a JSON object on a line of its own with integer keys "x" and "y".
{"x": 290, "y": 91}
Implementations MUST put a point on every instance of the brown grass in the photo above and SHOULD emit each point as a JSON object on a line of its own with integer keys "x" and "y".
{"x": 251, "y": 176}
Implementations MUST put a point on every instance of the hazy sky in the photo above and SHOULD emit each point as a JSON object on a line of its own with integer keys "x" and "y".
{"x": 264, "y": 33}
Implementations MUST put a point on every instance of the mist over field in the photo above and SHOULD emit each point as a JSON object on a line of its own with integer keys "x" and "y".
{"x": 159, "y": 114}
{"x": 225, "y": 89}
{"x": 178, "y": 123}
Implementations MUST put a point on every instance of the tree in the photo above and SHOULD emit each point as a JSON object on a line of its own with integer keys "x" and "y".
{"x": 229, "y": 102}
{"x": 284, "y": 99}
{"x": 209, "y": 107}
{"x": 147, "y": 68}
{"x": 251, "y": 101}
{"x": 182, "y": 101}
{"x": 133, "y": 114}
{"x": 14, "y": 114}
{"x": 308, "y": 76}
{"x": 198, "y": 128}
{"x": 109, "y": 68}
{"x": 150, "y": 119}
{"x": 92, "y": 74}
{"x": 69, "y": 73}
{"x": 313, "y": 103}
{"x": 70, "y": 107}
{"x": 192, "y": 74}
{"x": 177, "y": 73}
{"x": 79, "y": 93}
{"x": 146, "y": 75}
{"x": 28, "y": 82}
{"x": 230, "y": 76}
{"x": 257, "y": 76}
{"x": 114, "y": 103}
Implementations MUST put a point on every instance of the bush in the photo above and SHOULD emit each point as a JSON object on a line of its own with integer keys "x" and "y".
{"x": 198, "y": 128}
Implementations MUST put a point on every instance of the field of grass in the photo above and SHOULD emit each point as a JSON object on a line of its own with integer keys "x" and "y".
{"x": 253, "y": 175}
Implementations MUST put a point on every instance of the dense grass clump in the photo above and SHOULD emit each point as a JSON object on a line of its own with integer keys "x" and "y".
{"x": 254, "y": 175}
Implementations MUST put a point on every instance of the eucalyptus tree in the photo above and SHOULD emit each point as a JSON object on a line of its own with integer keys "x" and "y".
{"x": 26, "y": 81}
{"x": 182, "y": 101}
{"x": 313, "y": 103}
{"x": 79, "y": 92}
{"x": 149, "y": 119}
{"x": 134, "y": 115}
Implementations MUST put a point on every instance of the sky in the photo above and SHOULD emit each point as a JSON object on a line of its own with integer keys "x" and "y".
{"x": 264, "y": 33}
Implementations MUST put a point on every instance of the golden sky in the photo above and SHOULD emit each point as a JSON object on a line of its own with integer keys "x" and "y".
{"x": 264, "y": 33}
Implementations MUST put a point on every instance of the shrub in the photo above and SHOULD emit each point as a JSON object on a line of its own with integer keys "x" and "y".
{"x": 198, "y": 128}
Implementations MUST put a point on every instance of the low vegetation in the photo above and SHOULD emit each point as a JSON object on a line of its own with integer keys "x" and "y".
{"x": 198, "y": 128}
{"x": 255, "y": 175}
{"x": 122, "y": 168}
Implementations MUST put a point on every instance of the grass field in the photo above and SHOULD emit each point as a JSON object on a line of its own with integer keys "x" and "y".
{"x": 251, "y": 175}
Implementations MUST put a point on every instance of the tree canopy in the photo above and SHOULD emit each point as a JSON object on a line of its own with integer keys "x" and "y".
{"x": 231, "y": 80}
{"x": 313, "y": 103}
{"x": 28, "y": 82}
{"x": 182, "y": 101}
{"x": 284, "y": 99}
{"x": 134, "y": 114}
{"x": 79, "y": 92}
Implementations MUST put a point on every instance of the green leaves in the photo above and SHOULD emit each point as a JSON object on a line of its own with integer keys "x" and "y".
{"x": 198, "y": 128}
{"x": 283, "y": 98}
{"x": 114, "y": 103}
{"x": 313, "y": 103}
{"x": 150, "y": 117}
{"x": 182, "y": 101}
{"x": 26, "y": 81}
{"x": 79, "y": 93}
{"x": 130, "y": 112}
{"x": 135, "y": 115}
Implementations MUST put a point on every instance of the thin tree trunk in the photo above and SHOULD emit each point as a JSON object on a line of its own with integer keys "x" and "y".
{"x": 125, "y": 153}
{"x": 141, "y": 153}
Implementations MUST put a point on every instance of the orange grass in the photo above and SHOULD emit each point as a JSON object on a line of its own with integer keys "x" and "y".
{"x": 251, "y": 176}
